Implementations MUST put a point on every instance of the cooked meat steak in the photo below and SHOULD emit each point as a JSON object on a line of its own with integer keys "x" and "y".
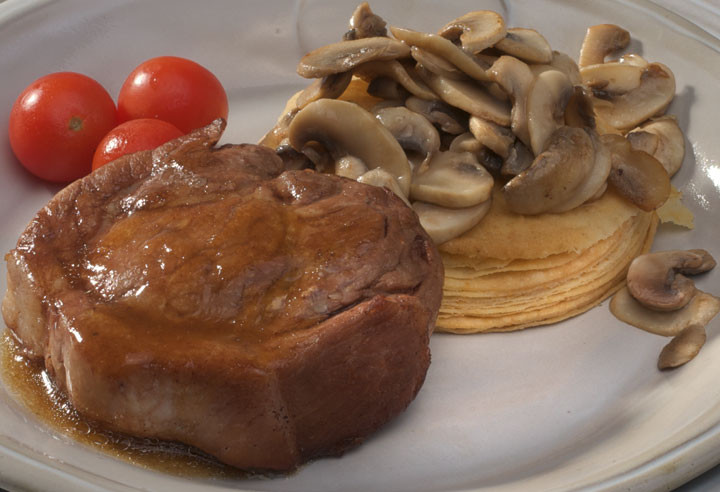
{"x": 203, "y": 295}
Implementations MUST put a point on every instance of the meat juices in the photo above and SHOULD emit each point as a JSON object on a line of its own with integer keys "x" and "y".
{"x": 203, "y": 295}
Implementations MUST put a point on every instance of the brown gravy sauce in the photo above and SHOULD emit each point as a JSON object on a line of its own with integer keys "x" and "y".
{"x": 28, "y": 382}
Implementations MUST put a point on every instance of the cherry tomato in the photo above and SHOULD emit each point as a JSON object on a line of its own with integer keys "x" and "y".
{"x": 133, "y": 136}
{"x": 175, "y": 90}
{"x": 56, "y": 124}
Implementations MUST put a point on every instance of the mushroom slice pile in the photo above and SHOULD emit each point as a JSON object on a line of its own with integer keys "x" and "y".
{"x": 661, "y": 138}
{"x": 436, "y": 64}
{"x": 346, "y": 55}
{"x": 636, "y": 175}
{"x": 495, "y": 137}
{"x": 660, "y": 299}
{"x": 360, "y": 135}
{"x": 546, "y": 103}
{"x": 453, "y": 180}
{"x": 476, "y": 30}
{"x": 443, "y": 48}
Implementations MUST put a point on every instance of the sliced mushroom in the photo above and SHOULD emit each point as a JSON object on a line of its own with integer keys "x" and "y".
{"x": 452, "y": 179}
{"x": 349, "y": 166}
{"x": 579, "y": 111}
{"x": 596, "y": 180}
{"x": 466, "y": 142}
{"x": 331, "y": 86}
{"x": 444, "y": 224}
{"x": 387, "y": 88}
{"x": 516, "y": 79}
{"x": 436, "y": 64}
{"x": 394, "y": 70}
{"x": 447, "y": 118}
{"x": 359, "y": 135}
{"x": 683, "y": 348}
{"x": 633, "y": 59}
{"x": 526, "y": 44}
{"x": 497, "y": 138}
{"x": 700, "y": 310}
{"x": 469, "y": 97}
{"x": 546, "y": 103}
{"x": 382, "y": 178}
{"x": 663, "y": 139}
{"x": 519, "y": 158}
{"x": 346, "y": 55}
{"x": 625, "y": 111}
{"x": 364, "y": 23}
{"x": 563, "y": 62}
{"x": 476, "y": 30}
{"x": 636, "y": 175}
{"x": 412, "y": 130}
{"x": 612, "y": 78}
{"x": 320, "y": 157}
{"x": 657, "y": 280}
{"x": 600, "y": 41}
{"x": 443, "y": 48}
{"x": 554, "y": 175}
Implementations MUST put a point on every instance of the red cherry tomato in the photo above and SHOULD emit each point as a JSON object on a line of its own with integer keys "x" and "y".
{"x": 175, "y": 90}
{"x": 56, "y": 124}
{"x": 133, "y": 136}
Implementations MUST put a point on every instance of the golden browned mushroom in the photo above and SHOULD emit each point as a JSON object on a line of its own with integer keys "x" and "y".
{"x": 683, "y": 348}
{"x": 658, "y": 281}
{"x": 346, "y": 55}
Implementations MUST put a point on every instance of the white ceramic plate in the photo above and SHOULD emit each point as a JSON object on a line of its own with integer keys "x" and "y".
{"x": 574, "y": 405}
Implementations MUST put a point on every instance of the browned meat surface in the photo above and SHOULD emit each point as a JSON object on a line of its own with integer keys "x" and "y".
{"x": 200, "y": 294}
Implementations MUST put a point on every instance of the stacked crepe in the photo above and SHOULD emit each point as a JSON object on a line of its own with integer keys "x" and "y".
{"x": 514, "y": 271}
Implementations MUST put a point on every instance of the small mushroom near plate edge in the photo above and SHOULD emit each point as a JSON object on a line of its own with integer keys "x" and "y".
{"x": 526, "y": 44}
{"x": 683, "y": 348}
{"x": 364, "y": 23}
{"x": 516, "y": 79}
{"x": 668, "y": 144}
{"x": 443, "y": 48}
{"x": 453, "y": 180}
{"x": 547, "y": 100}
{"x": 497, "y": 138}
{"x": 469, "y": 97}
{"x": 476, "y": 30}
{"x": 346, "y": 55}
{"x": 447, "y": 118}
{"x": 412, "y": 130}
{"x": 636, "y": 175}
{"x": 554, "y": 175}
{"x": 360, "y": 135}
{"x": 394, "y": 70}
{"x": 657, "y": 280}
{"x": 380, "y": 177}
{"x": 600, "y": 41}
{"x": 651, "y": 98}
{"x": 700, "y": 310}
{"x": 444, "y": 224}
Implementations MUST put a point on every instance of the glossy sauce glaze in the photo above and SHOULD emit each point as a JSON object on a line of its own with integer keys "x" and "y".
{"x": 30, "y": 383}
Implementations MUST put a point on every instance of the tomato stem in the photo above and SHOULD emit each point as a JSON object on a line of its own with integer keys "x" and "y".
{"x": 76, "y": 123}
